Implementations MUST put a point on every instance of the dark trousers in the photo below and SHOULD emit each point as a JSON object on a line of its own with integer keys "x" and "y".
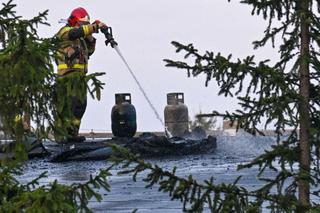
{"x": 78, "y": 109}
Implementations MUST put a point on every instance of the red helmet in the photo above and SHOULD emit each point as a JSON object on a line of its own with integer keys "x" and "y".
{"x": 78, "y": 14}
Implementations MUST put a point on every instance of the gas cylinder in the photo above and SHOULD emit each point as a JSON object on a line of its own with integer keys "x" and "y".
{"x": 176, "y": 115}
{"x": 123, "y": 116}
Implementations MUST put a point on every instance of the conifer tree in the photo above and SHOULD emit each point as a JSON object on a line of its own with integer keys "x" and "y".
{"x": 288, "y": 96}
{"x": 27, "y": 86}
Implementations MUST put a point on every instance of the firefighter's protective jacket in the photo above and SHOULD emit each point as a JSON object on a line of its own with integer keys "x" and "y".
{"x": 77, "y": 44}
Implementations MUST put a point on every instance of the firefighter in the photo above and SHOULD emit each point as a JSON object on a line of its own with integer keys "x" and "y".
{"x": 76, "y": 46}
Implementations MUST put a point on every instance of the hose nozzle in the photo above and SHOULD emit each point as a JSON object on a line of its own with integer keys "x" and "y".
{"x": 107, "y": 31}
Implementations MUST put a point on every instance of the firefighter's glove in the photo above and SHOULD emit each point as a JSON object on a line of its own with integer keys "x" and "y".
{"x": 99, "y": 25}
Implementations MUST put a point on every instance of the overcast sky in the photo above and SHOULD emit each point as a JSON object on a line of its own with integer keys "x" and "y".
{"x": 144, "y": 30}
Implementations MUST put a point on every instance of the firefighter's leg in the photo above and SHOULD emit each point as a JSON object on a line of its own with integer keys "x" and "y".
{"x": 60, "y": 117}
{"x": 78, "y": 110}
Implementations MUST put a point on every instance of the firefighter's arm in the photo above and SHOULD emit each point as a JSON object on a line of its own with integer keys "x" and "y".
{"x": 73, "y": 33}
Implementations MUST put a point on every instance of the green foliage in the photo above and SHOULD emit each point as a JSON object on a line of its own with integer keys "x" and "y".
{"x": 25, "y": 70}
{"x": 29, "y": 86}
{"x": 33, "y": 197}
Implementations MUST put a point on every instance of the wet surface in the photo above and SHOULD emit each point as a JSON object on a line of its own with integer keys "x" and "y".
{"x": 126, "y": 195}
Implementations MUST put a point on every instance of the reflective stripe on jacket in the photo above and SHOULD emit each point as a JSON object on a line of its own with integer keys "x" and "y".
{"x": 64, "y": 68}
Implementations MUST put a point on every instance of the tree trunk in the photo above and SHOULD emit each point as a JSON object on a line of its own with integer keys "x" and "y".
{"x": 304, "y": 187}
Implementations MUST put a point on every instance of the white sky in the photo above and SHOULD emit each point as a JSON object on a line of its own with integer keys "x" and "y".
{"x": 144, "y": 30}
